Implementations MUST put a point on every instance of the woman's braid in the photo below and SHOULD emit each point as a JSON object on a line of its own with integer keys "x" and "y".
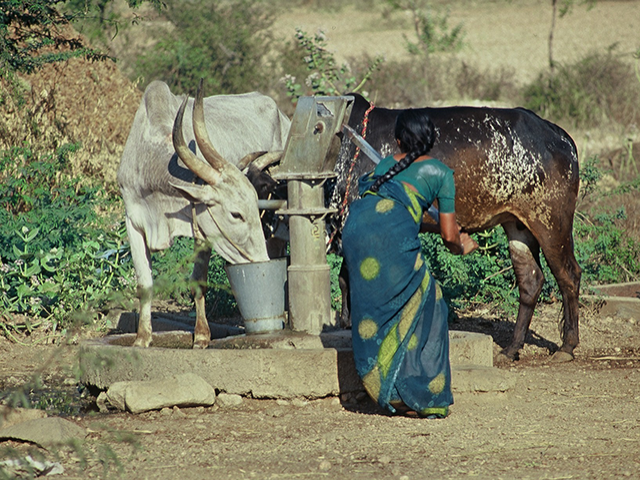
{"x": 416, "y": 133}
{"x": 397, "y": 168}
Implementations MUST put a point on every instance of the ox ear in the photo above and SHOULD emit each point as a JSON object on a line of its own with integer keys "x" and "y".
{"x": 197, "y": 193}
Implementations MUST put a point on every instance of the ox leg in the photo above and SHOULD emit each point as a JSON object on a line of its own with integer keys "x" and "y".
{"x": 558, "y": 251}
{"x": 142, "y": 265}
{"x": 343, "y": 282}
{"x": 202, "y": 333}
{"x": 525, "y": 256}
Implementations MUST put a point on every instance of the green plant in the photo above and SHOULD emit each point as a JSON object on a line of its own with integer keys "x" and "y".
{"x": 605, "y": 251}
{"x": 32, "y": 34}
{"x": 590, "y": 175}
{"x": 171, "y": 270}
{"x": 220, "y": 298}
{"x": 432, "y": 30}
{"x": 326, "y": 77}
{"x": 335, "y": 264}
{"x": 598, "y": 88}
{"x": 484, "y": 278}
{"x": 62, "y": 284}
{"x": 225, "y": 43}
{"x": 100, "y": 20}
{"x": 59, "y": 258}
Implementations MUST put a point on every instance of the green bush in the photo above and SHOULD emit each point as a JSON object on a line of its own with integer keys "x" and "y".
{"x": 172, "y": 268}
{"x": 310, "y": 68}
{"x": 59, "y": 259}
{"x": 605, "y": 251}
{"x": 64, "y": 258}
{"x": 485, "y": 277}
{"x": 224, "y": 43}
{"x": 598, "y": 89}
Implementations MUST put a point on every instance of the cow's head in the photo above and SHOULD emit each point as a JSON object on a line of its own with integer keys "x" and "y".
{"x": 227, "y": 204}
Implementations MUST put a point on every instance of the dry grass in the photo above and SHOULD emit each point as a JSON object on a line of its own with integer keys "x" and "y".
{"x": 75, "y": 101}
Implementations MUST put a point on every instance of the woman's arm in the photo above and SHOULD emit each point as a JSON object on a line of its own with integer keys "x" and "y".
{"x": 457, "y": 243}
{"x": 450, "y": 233}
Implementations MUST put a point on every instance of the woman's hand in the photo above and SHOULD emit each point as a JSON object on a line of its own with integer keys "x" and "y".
{"x": 468, "y": 244}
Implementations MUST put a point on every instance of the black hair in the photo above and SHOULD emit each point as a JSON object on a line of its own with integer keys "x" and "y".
{"x": 416, "y": 133}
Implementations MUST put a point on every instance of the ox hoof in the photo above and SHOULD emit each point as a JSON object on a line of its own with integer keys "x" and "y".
{"x": 502, "y": 359}
{"x": 561, "y": 357}
{"x": 200, "y": 345}
{"x": 141, "y": 343}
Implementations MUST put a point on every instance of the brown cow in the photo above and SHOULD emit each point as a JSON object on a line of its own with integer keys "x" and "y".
{"x": 512, "y": 168}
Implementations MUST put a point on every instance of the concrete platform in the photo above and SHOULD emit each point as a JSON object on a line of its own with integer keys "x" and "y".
{"x": 617, "y": 300}
{"x": 285, "y": 365}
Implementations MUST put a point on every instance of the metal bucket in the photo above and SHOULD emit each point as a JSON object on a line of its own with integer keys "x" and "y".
{"x": 259, "y": 289}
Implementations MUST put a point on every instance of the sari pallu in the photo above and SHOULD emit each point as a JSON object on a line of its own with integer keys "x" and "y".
{"x": 399, "y": 318}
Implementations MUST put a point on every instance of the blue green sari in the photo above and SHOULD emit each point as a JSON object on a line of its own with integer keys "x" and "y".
{"x": 399, "y": 318}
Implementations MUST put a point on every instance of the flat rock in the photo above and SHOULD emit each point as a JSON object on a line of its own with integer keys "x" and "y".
{"x": 12, "y": 416}
{"x": 45, "y": 432}
{"x": 229, "y": 400}
{"x": 185, "y": 390}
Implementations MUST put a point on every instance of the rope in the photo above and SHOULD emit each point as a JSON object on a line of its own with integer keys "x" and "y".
{"x": 345, "y": 200}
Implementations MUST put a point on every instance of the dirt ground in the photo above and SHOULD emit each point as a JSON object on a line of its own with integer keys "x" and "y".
{"x": 577, "y": 420}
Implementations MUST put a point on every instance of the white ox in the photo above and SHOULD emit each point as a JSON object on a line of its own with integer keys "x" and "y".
{"x": 160, "y": 193}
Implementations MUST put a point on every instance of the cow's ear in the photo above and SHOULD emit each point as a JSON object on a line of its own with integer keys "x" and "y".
{"x": 197, "y": 193}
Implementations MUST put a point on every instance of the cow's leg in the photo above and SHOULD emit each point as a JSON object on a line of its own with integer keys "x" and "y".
{"x": 343, "y": 282}
{"x": 142, "y": 265}
{"x": 202, "y": 333}
{"x": 558, "y": 251}
{"x": 525, "y": 256}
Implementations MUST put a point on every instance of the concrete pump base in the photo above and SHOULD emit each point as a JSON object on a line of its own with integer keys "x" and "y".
{"x": 282, "y": 365}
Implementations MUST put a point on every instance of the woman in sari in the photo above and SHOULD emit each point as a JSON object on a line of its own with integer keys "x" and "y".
{"x": 399, "y": 318}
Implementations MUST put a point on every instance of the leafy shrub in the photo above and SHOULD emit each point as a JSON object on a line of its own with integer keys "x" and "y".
{"x": 57, "y": 255}
{"x": 309, "y": 59}
{"x": 597, "y": 89}
{"x": 172, "y": 268}
{"x": 605, "y": 251}
{"x": 431, "y": 29}
{"x": 485, "y": 277}
{"x": 33, "y": 33}
{"x": 223, "y": 42}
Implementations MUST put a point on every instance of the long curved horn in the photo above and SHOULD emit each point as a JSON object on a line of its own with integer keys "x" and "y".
{"x": 248, "y": 159}
{"x": 202, "y": 136}
{"x": 269, "y": 159}
{"x": 202, "y": 170}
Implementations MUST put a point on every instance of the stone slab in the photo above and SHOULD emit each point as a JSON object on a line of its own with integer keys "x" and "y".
{"x": 293, "y": 366}
{"x": 464, "y": 347}
{"x": 261, "y": 373}
{"x": 626, "y": 289}
{"x": 624, "y": 307}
